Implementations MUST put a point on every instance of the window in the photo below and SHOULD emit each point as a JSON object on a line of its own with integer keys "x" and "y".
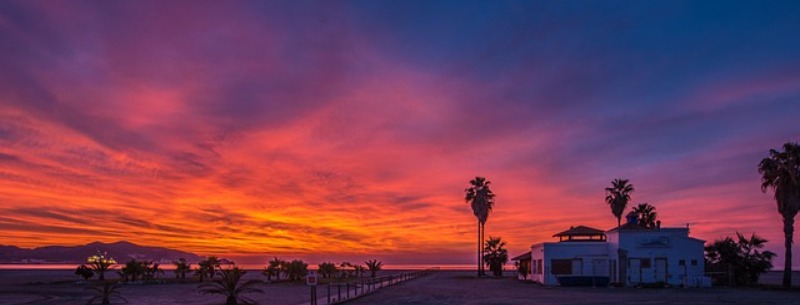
{"x": 539, "y": 266}
{"x": 694, "y": 262}
{"x": 561, "y": 266}
{"x": 682, "y": 262}
{"x": 645, "y": 262}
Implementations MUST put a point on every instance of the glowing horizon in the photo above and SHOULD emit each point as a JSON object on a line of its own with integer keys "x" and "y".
{"x": 347, "y": 130}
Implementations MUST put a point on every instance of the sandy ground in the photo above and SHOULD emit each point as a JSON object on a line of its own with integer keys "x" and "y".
{"x": 464, "y": 288}
{"x": 63, "y": 287}
{"x": 443, "y": 287}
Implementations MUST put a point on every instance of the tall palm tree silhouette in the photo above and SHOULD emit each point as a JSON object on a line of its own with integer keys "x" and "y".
{"x": 481, "y": 199}
{"x": 617, "y": 196}
{"x": 781, "y": 172}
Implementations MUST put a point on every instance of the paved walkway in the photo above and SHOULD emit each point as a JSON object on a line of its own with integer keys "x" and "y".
{"x": 447, "y": 287}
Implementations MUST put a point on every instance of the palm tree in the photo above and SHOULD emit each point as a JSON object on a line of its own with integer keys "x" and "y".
{"x": 374, "y": 266}
{"x": 327, "y": 269}
{"x": 273, "y": 269}
{"x": 230, "y": 287}
{"x": 100, "y": 264}
{"x": 743, "y": 260}
{"x": 345, "y": 269}
{"x": 481, "y": 199}
{"x": 181, "y": 268}
{"x": 359, "y": 270}
{"x": 617, "y": 196}
{"x": 152, "y": 269}
{"x": 781, "y": 172}
{"x": 207, "y": 267}
{"x": 84, "y": 272}
{"x": 132, "y": 270}
{"x": 495, "y": 255}
{"x": 297, "y": 270}
{"x": 105, "y": 293}
{"x": 647, "y": 215}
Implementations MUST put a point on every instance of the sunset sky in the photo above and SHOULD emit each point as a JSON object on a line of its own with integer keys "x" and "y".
{"x": 332, "y": 130}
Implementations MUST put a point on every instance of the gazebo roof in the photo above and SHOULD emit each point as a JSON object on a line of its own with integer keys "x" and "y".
{"x": 580, "y": 231}
{"x": 522, "y": 257}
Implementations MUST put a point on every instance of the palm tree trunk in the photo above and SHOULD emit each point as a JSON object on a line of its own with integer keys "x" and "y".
{"x": 479, "y": 248}
{"x": 619, "y": 221}
{"x": 483, "y": 237}
{"x": 788, "y": 231}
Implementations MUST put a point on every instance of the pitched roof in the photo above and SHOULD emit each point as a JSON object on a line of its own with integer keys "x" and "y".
{"x": 580, "y": 231}
{"x": 522, "y": 257}
{"x": 630, "y": 227}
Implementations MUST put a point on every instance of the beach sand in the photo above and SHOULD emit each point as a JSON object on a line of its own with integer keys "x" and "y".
{"x": 63, "y": 287}
{"x": 441, "y": 287}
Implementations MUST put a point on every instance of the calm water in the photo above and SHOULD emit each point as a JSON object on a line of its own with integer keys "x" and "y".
{"x": 245, "y": 266}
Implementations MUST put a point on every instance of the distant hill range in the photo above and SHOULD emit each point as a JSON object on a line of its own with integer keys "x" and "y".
{"x": 121, "y": 251}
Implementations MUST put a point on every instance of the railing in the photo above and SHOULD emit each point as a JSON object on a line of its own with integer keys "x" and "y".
{"x": 342, "y": 292}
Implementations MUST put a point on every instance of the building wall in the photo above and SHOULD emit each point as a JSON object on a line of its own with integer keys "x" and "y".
{"x": 665, "y": 255}
{"x": 588, "y": 259}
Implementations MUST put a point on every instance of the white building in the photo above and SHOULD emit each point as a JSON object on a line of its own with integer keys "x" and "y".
{"x": 628, "y": 255}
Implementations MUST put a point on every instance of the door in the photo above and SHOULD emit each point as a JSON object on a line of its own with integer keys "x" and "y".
{"x": 599, "y": 267}
{"x": 634, "y": 271}
{"x": 577, "y": 266}
{"x": 661, "y": 270}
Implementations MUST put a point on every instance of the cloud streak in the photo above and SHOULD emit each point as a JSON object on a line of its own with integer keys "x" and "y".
{"x": 351, "y": 129}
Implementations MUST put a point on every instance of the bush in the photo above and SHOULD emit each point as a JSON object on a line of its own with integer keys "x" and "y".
{"x": 742, "y": 259}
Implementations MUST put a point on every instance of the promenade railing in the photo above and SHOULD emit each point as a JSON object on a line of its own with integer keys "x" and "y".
{"x": 335, "y": 293}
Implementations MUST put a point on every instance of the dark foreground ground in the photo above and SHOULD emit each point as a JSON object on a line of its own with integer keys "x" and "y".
{"x": 52, "y": 287}
{"x": 62, "y": 287}
{"x": 464, "y": 288}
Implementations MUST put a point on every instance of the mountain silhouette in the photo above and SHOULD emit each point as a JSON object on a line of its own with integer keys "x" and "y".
{"x": 121, "y": 251}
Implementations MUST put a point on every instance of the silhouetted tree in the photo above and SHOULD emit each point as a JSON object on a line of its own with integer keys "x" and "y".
{"x": 359, "y": 270}
{"x": 647, "y": 215}
{"x": 182, "y": 267}
{"x": 374, "y": 266}
{"x": 297, "y": 270}
{"x": 230, "y": 287}
{"x": 151, "y": 270}
{"x": 327, "y": 269}
{"x": 743, "y": 257}
{"x": 207, "y": 268}
{"x": 481, "y": 200}
{"x": 617, "y": 197}
{"x": 274, "y": 269}
{"x": 84, "y": 272}
{"x": 105, "y": 293}
{"x": 346, "y": 269}
{"x": 781, "y": 172}
{"x": 133, "y": 269}
{"x": 100, "y": 264}
{"x": 495, "y": 255}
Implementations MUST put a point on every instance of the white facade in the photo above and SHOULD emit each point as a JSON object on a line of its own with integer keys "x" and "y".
{"x": 588, "y": 258}
{"x": 666, "y": 255}
{"x": 629, "y": 257}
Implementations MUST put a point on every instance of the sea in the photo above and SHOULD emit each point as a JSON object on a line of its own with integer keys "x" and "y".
{"x": 44, "y": 266}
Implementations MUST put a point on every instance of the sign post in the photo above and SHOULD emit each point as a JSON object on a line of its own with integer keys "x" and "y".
{"x": 311, "y": 280}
